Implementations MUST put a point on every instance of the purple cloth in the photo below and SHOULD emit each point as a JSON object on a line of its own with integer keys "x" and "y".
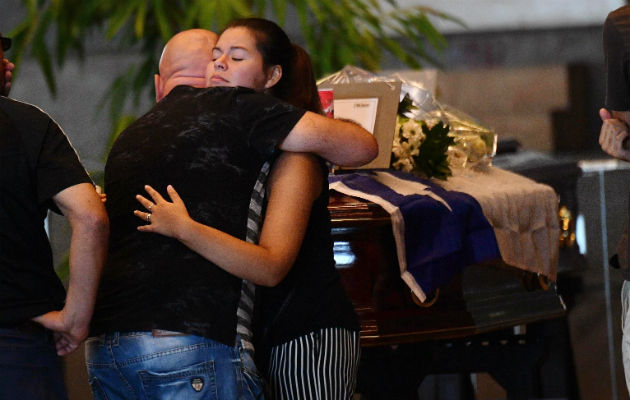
{"x": 437, "y": 242}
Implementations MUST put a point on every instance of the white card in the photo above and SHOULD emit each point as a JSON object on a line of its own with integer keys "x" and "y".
{"x": 361, "y": 111}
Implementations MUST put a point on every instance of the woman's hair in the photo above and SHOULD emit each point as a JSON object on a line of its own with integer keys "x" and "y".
{"x": 297, "y": 85}
{"x": 304, "y": 92}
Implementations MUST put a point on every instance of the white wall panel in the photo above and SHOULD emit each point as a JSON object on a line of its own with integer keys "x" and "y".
{"x": 492, "y": 15}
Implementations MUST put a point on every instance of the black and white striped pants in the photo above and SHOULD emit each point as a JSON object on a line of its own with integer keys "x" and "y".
{"x": 321, "y": 365}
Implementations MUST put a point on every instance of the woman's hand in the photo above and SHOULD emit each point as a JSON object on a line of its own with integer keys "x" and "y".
{"x": 163, "y": 217}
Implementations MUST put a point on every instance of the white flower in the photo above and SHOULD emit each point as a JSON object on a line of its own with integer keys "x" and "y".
{"x": 406, "y": 144}
{"x": 411, "y": 129}
{"x": 403, "y": 165}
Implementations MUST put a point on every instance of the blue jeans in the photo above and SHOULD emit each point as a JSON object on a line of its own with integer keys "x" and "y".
{"x": 29, "y": 366}
{"x": 162, "y": 365}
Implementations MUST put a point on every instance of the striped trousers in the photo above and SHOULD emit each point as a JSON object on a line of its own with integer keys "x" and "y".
{"x": 321, "y": 365}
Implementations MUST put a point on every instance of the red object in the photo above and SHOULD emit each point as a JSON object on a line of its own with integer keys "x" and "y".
{"x": 327, "y": 98}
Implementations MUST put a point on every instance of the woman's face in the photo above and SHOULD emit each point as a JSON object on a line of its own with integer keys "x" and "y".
{"x": 237, "y": 61}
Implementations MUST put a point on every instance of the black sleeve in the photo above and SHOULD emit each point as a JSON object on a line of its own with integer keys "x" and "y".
{"x": 616, "y": 63}
{"x": 58, "y": 166}
{"x": 269, "y": 121}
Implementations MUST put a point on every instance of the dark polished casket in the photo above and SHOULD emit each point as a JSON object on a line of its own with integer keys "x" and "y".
{"x": 491, "y": 317}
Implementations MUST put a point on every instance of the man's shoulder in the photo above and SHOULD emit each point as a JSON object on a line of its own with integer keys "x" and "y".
{"x": 22, "y": 112}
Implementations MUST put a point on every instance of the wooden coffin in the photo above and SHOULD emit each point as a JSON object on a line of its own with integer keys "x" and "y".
{"x": 481, "y": 299}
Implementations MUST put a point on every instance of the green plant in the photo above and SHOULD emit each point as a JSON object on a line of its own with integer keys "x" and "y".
{"x": 335, "y": 32}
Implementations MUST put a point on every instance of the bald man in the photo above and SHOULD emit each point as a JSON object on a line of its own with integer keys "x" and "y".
{"x": 184, "y": 61}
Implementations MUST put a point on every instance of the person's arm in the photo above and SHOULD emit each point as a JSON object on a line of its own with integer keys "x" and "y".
{"x": 343, "y": 143}
{"x": 88, "y": 247}
{"x": 614, "y": 135}
{"x": 294, "y": 184}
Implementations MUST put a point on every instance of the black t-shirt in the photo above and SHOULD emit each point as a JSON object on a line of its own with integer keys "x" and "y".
{"x": 311, "y": 296}
{"x": 36, "y": 162}
{"x": 209, "y": 144}
{"x": 617, "y": 58}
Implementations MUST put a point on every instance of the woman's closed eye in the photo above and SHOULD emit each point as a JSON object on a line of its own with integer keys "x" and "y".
{"x": 216, "y": 54}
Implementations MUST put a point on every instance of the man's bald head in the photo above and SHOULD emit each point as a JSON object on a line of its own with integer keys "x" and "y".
{"x": 184, "y": 61}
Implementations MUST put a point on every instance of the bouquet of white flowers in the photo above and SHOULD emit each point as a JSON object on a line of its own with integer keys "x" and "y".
{"x": 418, "y": 148}
{"x": 407, "y": 141}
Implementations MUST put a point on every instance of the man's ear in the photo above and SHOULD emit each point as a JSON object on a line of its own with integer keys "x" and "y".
{"x": 159, "y": 87}
{"x": 273, "y": 76}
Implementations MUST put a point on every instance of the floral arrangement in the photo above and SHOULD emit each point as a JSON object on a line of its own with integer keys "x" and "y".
{"x": 418, "y": 148}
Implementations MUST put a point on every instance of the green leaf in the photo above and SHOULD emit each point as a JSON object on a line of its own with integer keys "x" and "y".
{"x": 303, "y": 17}
{"x": 121, "y": 15}
{"x": 163, "y": 20}
{"x": 141, "y": 15}
{"x": 432, "y": 161}
{"x": 41, "y": 52}
{"x": 405, "y": 105}
{"x": 207, "y": 15}
{"x": 280, "y": 10}
{"x": 317, "y": 12}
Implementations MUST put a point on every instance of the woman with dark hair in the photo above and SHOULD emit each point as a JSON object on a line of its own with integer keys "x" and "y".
{"x": 307, "y": 332}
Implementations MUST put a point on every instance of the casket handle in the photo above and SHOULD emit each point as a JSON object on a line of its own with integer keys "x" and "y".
{"x": 543, "y": 281}
{"x": 426, "y": 304}
{"x": 567, "y": 227}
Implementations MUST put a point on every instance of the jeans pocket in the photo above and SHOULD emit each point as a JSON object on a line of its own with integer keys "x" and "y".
{"x": 195, "y": 382}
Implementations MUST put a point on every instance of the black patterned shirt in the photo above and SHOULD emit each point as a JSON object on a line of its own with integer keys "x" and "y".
{"x": 209, "y": 144}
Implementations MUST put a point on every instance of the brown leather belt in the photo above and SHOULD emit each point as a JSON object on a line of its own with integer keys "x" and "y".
{"x": 165, "y": 333}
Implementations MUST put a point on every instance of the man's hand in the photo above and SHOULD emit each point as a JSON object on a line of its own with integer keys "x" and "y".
{"x": 8, "y": 74}
{"x": 614, "y": 135}
{"x": 67, "y": 331}
{"x": 88, "y": 246}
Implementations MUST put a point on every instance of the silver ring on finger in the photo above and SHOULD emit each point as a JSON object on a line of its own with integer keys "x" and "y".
{"x": 149, "y": 217}
{"x": 150, "y": 207}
